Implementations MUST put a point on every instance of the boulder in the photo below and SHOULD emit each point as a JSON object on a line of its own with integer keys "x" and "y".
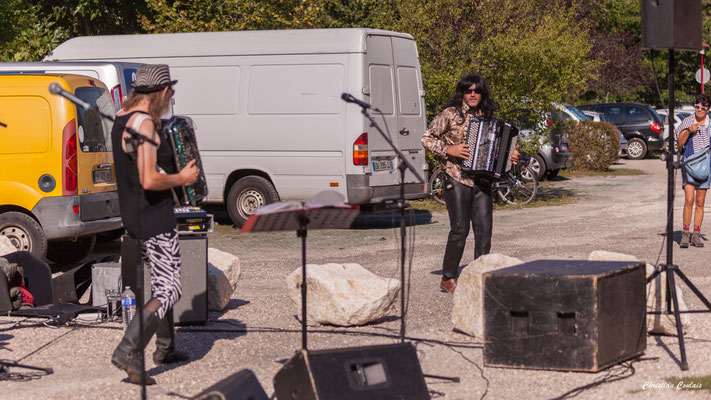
{"x": 343, "y": 294}
{"x": 6, "y": 246}
{"x": 223, "y": 270}
{"x": 468, "y": 310}
{"x": 661, "y": 324}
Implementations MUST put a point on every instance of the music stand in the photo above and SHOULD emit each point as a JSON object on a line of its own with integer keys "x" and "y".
{"x": 289, "y": 216}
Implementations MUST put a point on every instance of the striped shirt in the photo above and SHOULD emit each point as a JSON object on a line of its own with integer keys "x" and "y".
{"x": 699, "y": 139}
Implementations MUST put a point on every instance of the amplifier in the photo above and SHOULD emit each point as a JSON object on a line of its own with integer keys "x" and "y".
{"x": 240, "y": 386}
{"x": 564, "y": 314}
{"x": 357, "y": 373}
{"x": 193, "y": 219}
{"x": 192, "y": 306}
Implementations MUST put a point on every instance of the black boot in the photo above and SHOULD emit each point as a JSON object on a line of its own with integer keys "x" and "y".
{"x": 127, "y": 354}
{"x": 166, "y": 353}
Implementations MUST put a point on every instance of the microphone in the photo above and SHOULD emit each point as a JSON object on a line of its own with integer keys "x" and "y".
{"x": 350, "y": 99}
{"x": 55, "y": 88}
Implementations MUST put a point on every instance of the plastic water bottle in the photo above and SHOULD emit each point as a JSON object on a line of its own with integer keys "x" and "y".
{"x": 128, "y": 305}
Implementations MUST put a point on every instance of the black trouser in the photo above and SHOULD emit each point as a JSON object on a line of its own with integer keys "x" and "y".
{"x": 466, "y": 204}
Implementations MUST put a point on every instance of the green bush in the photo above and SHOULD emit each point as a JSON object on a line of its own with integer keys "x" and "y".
{"x": 595, "y": 145}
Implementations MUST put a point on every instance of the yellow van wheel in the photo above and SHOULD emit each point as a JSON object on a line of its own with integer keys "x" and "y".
{"x": 24, "y": 232}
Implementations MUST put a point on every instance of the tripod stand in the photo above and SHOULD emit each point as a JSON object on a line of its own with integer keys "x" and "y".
{"x": 670, "y": 268}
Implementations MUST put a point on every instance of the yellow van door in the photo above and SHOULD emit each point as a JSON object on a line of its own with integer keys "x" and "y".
{"x": 95, "y": 173}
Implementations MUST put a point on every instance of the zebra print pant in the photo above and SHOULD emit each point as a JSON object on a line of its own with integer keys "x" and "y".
{"x": 162, "y": 254}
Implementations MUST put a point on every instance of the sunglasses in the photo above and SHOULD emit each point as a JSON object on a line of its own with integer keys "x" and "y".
{"x": 702, "y": 108}
{"x": 477, "y": 91}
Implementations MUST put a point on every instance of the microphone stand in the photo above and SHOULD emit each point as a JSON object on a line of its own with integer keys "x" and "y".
{"x": 401, "y": 205}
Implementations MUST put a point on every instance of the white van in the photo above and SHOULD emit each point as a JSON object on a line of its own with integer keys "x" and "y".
{"x": 267, "y": 104}
{"x": 115, "y": 75}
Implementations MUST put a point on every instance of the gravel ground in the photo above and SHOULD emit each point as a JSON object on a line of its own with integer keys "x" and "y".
{"x": 259, "y": 329}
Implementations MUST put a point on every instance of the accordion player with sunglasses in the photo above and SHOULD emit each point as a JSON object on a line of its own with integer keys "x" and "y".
{"x": 490, "y": 145}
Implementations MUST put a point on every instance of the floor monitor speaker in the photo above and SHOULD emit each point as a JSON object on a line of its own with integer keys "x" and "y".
{"x": 564, "y": 314}
{"x": 240, "y": 386}
{"x": 357, "y": 373}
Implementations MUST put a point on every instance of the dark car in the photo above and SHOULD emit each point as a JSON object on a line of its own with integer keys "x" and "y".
{"x": 639, "y": 123}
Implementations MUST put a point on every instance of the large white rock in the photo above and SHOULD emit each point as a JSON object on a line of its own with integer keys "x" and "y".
{"x": 468, "y": 311}
{"x": 661, "y": 324}
{"x": 223, "y": 270}
{"x": 343, "y": 294}
{"x": 6, "y": 246}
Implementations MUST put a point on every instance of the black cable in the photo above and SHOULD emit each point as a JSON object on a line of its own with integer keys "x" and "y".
{"x": 481, "y": 370}
{"x": 615, "y": 373}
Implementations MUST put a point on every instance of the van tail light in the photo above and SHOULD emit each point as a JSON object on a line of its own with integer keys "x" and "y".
{"x": 656, "y": 127}
{"x": 360, "y": 150}
{"x": 116, "y": 97}
{"x": 69, "y": 159}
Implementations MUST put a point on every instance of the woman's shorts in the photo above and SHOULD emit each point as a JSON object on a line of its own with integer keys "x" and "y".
{"x": 688, "y": 180}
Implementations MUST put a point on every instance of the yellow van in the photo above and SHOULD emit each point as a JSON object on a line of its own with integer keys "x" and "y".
{"x": 57, "y": 183}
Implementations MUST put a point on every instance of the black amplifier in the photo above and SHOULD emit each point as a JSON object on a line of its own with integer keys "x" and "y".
{"x": 192, "y": 219}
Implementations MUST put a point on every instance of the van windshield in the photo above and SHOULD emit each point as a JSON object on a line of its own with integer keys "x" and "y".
{"x": 94, "y": 132}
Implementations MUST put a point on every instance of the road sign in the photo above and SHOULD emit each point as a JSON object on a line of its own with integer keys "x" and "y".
{"x": 706, "y": 75}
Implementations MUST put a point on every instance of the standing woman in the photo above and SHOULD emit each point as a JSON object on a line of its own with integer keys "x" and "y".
{"x": 693, "y": 135}
{"x": 469, "y": 200}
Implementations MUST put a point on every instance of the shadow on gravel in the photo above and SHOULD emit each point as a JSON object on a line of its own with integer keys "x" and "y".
{"x": 660, "y": 343}
{"x": 369, "y": 220}
{"x": 555, "y": 191}
{"x": 439, "y": 271}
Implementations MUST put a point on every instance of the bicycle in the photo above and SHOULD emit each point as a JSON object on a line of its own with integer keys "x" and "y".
{"x": 517, "y": 186}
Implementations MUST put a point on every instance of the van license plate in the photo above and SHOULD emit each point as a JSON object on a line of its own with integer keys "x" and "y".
{"x": 102, "y": 176}
{"x": 382, "y": 165}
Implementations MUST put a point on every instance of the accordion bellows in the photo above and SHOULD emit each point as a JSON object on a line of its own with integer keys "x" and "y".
{"x": 490, "y": 144}
{"x": 181, "y": 132}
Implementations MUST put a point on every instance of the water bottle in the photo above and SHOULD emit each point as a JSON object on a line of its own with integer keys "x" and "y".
{"x": 128, "y": 305}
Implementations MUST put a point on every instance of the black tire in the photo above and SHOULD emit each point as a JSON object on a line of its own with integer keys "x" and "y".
{"x": 538, "y": 165}
{"x": 437, "y": 185}
{"x": 70, "y": 252}
{"x": 552, "y": 173}
{"x": 247, "y": 195}
{"x": 110, "y": 236}
{"x": 636, "y": 149}
{"x": 24, "y": 232}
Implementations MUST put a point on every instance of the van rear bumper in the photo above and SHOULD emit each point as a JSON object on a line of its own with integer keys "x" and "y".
{"x": 360, "y": 191}
{"x": 59, "y": 221}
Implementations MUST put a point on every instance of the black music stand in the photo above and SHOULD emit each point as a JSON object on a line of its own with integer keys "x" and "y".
{"x": 325, "y": 211}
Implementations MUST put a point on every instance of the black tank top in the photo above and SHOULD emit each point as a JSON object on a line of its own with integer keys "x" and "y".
{"x": 155, "y": 206}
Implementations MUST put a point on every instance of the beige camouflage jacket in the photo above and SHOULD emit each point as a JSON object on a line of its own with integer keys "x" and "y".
{"x": 445, "y": 130}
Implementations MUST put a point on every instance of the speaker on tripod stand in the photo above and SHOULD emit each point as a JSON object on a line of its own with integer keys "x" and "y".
{"x": 673, "y": 24}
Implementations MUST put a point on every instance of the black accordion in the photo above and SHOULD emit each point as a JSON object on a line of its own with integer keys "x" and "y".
{"x": 490, "y": 145}
{"x": 181, "y": 133}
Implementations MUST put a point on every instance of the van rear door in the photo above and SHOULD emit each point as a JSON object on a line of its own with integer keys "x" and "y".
{"x": 395, "y": 87}
{"x": 95, "y": 170}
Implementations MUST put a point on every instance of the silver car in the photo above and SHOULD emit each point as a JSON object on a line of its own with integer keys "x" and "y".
{"x": 600, "y": 117}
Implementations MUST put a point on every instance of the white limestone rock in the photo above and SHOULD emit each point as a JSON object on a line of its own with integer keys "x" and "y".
{"x": 223, "y": 270}
{"x": 661, "y": 324}
{"x": 343, "y": 294}
{"x": 468, "y": 311}
{"x": 6, "y": 246}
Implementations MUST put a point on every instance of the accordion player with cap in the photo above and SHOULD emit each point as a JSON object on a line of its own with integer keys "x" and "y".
{"x": 181, "y": 133}
{"x": 490, "y": 145}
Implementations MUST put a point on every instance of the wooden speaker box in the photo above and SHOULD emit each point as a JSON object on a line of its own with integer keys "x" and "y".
{"x": 564, "y": 314}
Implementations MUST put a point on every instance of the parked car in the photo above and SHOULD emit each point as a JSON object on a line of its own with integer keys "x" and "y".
{"x": 554, "y": 156}
{"x": 679, "y": 115}
{"x": 639, "y": 123}
{"x": 57, "y": 181}
{"x": 600, "y": 117}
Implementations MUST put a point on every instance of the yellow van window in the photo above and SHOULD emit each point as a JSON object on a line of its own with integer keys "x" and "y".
{"x": 28, "y": 125}
{"x": 94, "y": 132}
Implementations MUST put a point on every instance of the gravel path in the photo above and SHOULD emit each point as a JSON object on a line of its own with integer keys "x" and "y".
{"x": 259, "y": 330}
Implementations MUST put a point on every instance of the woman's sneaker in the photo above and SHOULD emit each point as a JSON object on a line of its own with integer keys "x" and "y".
{"x": 685, "y": 237}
